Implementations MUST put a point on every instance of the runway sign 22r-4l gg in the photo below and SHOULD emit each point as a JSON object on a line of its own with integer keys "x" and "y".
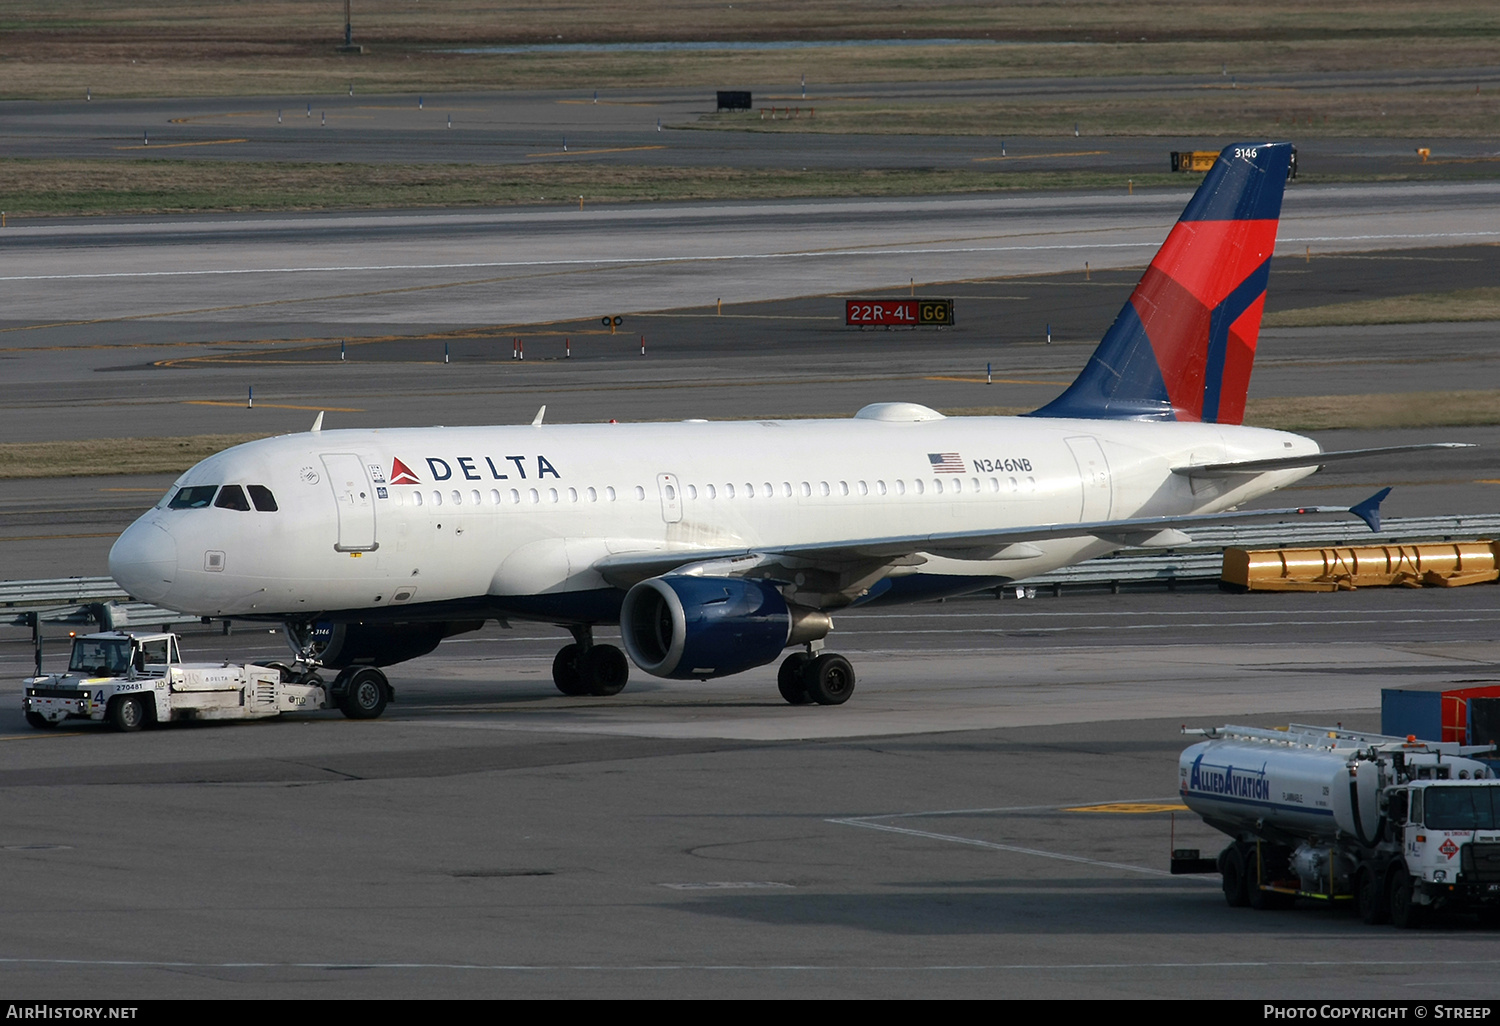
{"x": 898, "y": 312}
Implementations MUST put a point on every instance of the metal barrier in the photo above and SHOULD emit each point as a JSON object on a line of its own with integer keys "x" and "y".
{"x": 1202, "y": 561}
{"x": 100, "y": 601}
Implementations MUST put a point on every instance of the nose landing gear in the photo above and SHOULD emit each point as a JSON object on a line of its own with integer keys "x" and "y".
{"x": 584, "y": 668}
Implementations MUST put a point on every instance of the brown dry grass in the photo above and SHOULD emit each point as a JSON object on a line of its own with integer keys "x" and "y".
{"x": 69, "y": 188}
{"x": 1460, "y": 305}
{"x": 285, "y": 47}
{"x": 1212, "y": 112}
{"x": 112, "y": 456}
{"x": 1383, "y": 410}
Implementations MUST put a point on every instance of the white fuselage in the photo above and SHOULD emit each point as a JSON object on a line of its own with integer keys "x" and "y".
{"x": 515, "y": 515}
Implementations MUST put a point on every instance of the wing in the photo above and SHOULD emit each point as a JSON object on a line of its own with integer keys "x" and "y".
{"x": 833, "y": 573}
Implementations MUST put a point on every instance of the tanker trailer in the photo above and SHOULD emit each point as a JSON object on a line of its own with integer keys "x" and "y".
{"x": 1396, "y": 826}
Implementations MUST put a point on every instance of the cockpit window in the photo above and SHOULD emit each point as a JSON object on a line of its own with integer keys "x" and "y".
{"x": 195, "y": 497}
{"x": 262, "y": 497}
{"x": 232, "y": 497}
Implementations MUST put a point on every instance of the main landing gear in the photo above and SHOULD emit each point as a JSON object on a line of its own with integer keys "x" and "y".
{"x": 584, "y": 668}
{"x": 825, "y": 678}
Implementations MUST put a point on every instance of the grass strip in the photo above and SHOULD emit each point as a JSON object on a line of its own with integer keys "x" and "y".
{"x": 105, "y": 457}
{"x": 1482, "y": 304}
{"x": 119, "y": 456}
{"x": 51, "y": 188}
{"x": 1215, "y": 111}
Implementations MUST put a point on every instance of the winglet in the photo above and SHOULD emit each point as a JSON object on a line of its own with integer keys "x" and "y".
{"x": 537, "y": 420}
{"x": 318, "y": 423}
{"x": 1369, "y": 510}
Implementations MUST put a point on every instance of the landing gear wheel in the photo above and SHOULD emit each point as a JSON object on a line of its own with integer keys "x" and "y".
{"x": 127, "y": 714}
{"x": 789, "y": 678}
{"x": 567, "y": 673}
{"x": 39, "y": 721}
{"x": 605, "y": 670}
{"x": 1233, "y": 867}
{"x": 288, "y": 675}
{"x": 1369, "y": 897}
{"x": 364, "y": 694}
{"x": 1405, "y": 912}
{"x": 828, "y": 679}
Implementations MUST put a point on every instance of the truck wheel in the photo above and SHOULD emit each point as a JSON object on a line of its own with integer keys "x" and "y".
{"x": 1233, "y": 868}
{"x": 127, "y": 714}
{"x": 365, "y": 694}
{"x": 39, "y": 721}
{"x": 1369, "y": 897}
{"x": 1405, "y": 912}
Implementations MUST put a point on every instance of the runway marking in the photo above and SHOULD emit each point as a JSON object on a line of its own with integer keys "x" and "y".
{"x": 1180, "y": 626}
{"x": 580, "y": 153}
{"x": 226, "y": 114}
{"x": 40, "y": 735}
{"x": 733, "y": 967}
{"x": 866, "y": 823}
{"x": 53, "y": 537}
{"x": 611, "y": 103}
{"x": 269, "y": 406}
{"x": 1130, "y": 807}
{"x": 1099, "y": 615}
{"x": 173, "y": 146}
{"x": 639, "y": 261}
{"x": 727, "y": 885}
{"x": 1041, "y": 156}
{"x": 998, "y": 381}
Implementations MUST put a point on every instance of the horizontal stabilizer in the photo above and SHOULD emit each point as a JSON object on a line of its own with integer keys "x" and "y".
{"x": 1316, "y": 459}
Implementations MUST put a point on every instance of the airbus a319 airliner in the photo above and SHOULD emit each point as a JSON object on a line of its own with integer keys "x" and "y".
{"x": 718, "y": 546}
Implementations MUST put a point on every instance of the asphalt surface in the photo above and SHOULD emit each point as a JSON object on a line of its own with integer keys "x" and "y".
{"x": 488, "y": 837}
{"x": 941, "y": 835}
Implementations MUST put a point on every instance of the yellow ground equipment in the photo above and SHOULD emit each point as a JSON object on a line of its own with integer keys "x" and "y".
{"x": 1439, "y": 564}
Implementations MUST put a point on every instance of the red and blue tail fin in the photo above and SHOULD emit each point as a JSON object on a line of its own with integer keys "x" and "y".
{"x": 1183, "y": 346}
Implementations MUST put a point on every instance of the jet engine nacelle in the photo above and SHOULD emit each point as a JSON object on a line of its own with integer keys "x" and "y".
{"x": 373, "y": 644}
{"x": 695, "y": 628}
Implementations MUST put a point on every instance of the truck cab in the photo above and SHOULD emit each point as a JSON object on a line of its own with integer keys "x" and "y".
{"x": 1449, "y": 828}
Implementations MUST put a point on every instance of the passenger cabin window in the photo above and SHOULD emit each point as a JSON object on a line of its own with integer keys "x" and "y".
{"x": 232, "y": 497}
{"x": 196, "y": 497}
{"x": 262, "y": 497}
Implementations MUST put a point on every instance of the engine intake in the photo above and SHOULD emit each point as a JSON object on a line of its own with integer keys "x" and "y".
{"x": 695, "y": 628}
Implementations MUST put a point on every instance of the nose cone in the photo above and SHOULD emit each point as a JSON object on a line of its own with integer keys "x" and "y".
{"x": 144, "y": 561}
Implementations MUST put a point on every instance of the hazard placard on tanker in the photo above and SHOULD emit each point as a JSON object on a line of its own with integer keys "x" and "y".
{"x": 887, "y": 313}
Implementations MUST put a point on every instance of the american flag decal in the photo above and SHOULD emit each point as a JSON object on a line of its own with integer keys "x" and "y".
{"x": 946, "y": 462}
